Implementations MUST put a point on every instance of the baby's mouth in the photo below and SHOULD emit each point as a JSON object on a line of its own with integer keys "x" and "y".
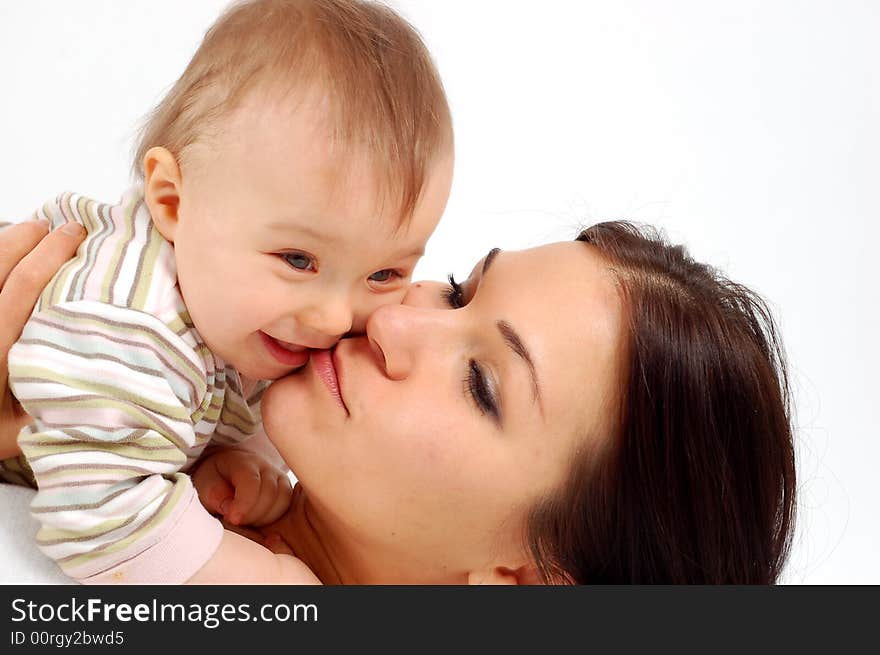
{"x": 292, "y": 347}
{"x": 284, "y": 352}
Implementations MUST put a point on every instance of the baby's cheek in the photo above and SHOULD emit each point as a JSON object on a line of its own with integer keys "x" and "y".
{"x": 392, "y": 297}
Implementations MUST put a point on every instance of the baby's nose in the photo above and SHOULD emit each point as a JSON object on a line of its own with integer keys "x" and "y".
{"x": 329, "y": 322}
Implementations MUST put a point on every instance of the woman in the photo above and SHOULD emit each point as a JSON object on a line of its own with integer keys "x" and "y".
{"x": 599, "y": 411}
{"x": 28, "y": 260}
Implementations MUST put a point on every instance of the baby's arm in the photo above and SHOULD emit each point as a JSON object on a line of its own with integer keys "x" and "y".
{"x": 239, "y": 560}
{"x": 262, "y": 494}
{"x": 112, "y": 393}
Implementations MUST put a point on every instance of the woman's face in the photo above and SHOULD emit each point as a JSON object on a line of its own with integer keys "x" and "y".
{"x": 456, "y": 420}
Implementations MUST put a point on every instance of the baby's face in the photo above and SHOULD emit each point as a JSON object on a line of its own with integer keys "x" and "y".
{"x": 277, "y": 253}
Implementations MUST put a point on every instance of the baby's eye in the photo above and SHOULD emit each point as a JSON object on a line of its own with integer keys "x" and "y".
{"x": 384, "y": 275}
{"x": 299, "y": 261}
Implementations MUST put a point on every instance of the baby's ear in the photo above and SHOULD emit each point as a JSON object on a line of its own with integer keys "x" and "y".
{"x": 162, "y": 190}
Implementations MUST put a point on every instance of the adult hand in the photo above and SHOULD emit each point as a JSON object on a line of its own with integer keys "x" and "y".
{"x": 29, "y": 257}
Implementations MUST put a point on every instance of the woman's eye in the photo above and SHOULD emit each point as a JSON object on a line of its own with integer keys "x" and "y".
{"x": 482, "y": 391}
{"x": 299, "y": 261}
{"x": 384, "y": 275}
{"x": 453, "y": 295}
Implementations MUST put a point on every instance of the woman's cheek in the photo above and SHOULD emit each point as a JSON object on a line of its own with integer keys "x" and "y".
{"x": 439, "y": 450}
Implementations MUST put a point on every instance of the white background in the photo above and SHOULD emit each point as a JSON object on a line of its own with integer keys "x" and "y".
{"x": 748, "y": 130}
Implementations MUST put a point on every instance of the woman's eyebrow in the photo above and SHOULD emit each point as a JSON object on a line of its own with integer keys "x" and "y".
{"x": 516, "y": 344}
{"x": 488, "y": 259}
{"x": 514, "y": 341}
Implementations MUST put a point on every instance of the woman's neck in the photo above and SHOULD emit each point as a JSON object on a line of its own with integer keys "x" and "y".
{"x": 304, "y": 536}
{"x": 334, "y": 556}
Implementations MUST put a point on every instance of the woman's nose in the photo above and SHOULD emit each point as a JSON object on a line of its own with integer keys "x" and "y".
{"x": 397, "y": 333}
{"x": 426, "y": 294}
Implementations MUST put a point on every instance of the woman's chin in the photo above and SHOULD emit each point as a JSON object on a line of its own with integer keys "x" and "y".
{"x": 280, "y": 408}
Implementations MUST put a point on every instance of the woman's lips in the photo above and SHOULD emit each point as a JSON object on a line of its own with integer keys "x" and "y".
{"x": 325, "y": 369}
{"x": 285, "y": 353}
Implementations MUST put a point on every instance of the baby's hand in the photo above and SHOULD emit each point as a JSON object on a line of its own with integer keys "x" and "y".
{"x": 242, "y": 487}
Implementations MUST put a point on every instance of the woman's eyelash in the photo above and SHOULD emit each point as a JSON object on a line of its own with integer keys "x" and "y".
{"x": 453, "y": 295}
{"x": 480, "y": 391}
{"x": 475, "y": 382}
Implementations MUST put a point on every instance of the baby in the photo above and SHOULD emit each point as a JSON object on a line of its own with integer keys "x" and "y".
{"x": 288, "y": 184}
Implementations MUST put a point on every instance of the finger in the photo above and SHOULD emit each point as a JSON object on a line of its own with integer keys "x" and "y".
{"x": 18, "y": 240}
{"x": 25, "y": 282}
{"x": 265, "y": 498}
{"x": 216, "y": 496}
{"x": 8, "y": 446}
{"x": 245, "y": 477}
{"x": 280, "y": 504}
{"x": 12, "y": 419}
{"x": 212, "y": 488}
{"x": 240, "y": 474}
{"x": 277, "y": 545}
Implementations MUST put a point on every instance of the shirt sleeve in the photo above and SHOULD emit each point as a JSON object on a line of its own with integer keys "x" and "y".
{"x": 113, "y": 393}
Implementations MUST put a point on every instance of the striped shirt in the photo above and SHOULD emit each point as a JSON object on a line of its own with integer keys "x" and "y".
{"x": 125, "y": 396}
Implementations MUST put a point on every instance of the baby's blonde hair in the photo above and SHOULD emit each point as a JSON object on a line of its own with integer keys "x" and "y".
{"x": 382, "y": 91}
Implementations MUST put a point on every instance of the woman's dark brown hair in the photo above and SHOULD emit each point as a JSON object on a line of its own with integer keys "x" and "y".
{"x": 697, "y": 484}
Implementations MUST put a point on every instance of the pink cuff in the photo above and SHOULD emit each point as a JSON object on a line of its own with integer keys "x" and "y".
{"x": 185, "y": 549}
